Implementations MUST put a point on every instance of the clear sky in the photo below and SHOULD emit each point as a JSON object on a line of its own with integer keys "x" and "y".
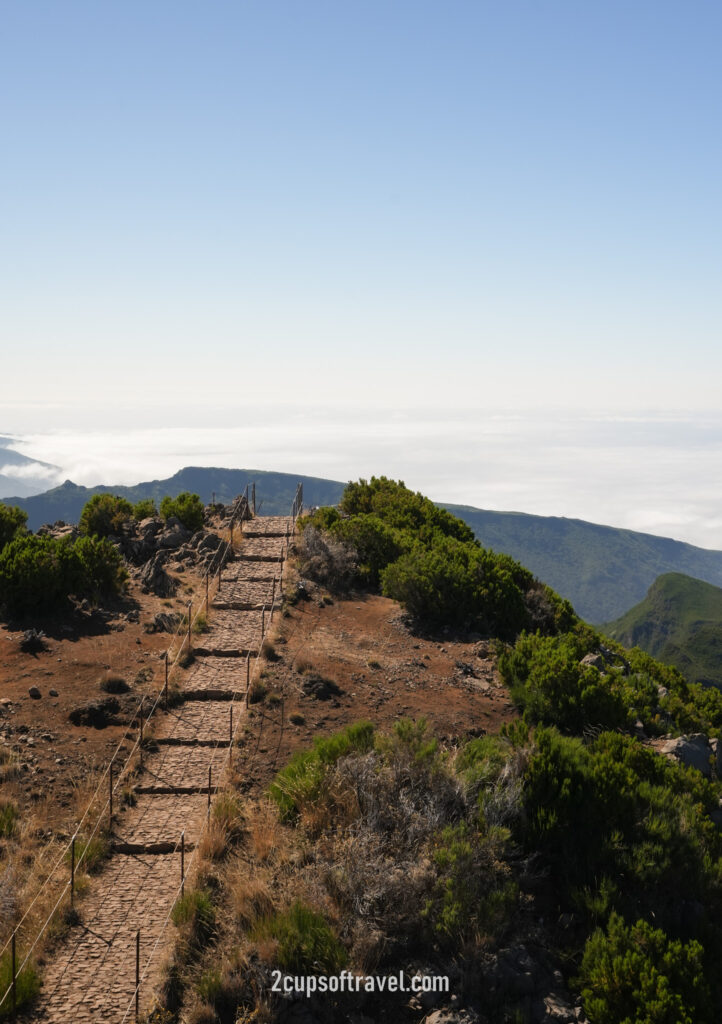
{"x": 373, "y": 205}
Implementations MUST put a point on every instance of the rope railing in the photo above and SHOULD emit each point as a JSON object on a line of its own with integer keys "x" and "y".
{"x": 239, "y": 512}
{"x": 133, "y": 1002}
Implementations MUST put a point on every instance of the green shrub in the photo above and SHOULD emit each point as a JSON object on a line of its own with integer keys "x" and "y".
{"x": 306, "y": 943}
{"x": 403, "y": 509}
{"x": 186, "y": 507}
{"x": 104, "y": 515}
{"x": 459, "y": 583}
{"x": 12, "y": 523}
{"x": 27, "y": 982}
{"x": 39, "y": 573}
{"x": 615, "y": 821}
{"x": 299, "y": 783}
{"x": 144, "y": 509}
{"x": 637, "y": 975}
{"x": 474, "y": 893}
{"x": 551, "y": 686}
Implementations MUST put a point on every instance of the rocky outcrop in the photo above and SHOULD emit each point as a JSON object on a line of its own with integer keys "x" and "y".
{"x": 155, "y": 580}
{"x": 694, "y": 751}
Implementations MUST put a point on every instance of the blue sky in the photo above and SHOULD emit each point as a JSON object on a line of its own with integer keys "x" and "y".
{"x": 478, "y": 206}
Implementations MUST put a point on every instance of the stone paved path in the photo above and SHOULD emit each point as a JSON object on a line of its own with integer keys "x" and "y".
{"x": 91, "y": 977}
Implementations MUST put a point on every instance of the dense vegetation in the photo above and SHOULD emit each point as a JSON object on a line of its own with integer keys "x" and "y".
{"x": 186, "y": 507}
{"x": 419, "y": 554}
{"x": 679, "y": 622}
{"x": 39, "y": 574}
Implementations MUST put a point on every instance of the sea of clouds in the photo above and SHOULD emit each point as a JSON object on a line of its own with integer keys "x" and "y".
{"x": 653, "y": 473}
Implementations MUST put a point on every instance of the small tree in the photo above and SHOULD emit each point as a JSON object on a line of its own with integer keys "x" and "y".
{"x": 104, "y": 515}
{"x": 144, "y": 509}
{"x": 187, "y": 507}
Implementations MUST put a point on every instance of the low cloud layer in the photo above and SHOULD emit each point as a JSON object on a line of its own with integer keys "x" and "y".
{"x": 656, "y": 474}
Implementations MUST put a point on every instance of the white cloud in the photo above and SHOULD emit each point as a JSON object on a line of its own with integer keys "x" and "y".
{"x": 654, "y": 473}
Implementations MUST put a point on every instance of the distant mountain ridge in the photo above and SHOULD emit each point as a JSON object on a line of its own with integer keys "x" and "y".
{"x": 274, "y": 491}
{"x": 602, "y": 570}
{"x": 679, "y": 622}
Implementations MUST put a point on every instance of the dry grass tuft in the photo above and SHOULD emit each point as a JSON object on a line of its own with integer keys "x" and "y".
{"x": 265, "y": 831}
{"x": 250, "y": 894}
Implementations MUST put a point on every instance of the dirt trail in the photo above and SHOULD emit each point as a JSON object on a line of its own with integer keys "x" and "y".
{"x": 91, "y": 976}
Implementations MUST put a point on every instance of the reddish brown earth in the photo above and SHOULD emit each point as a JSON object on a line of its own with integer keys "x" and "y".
{"x": 57, "y": 756}
{"x": 453, "y": 684}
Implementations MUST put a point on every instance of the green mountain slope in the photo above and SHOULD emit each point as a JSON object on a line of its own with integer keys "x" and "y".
{"x": 603, "y": 571}
{"x": 679, "y": 622}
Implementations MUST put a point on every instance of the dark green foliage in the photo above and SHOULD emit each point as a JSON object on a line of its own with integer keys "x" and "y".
{"x": 104, "y": 515}
{"x": 616, "y": 822}
{"x": 306, "y": 943}
{"x": 12, "y": 523}
{"x": 454, "y": 582}
{"x": 635, "y": 974}
{"x": 428, "y": 560}
{"x": 375, "y": 542}
{"x": 186, "y": 507}
{"x": 299, "y": 783}
{"x": 551, "y": 686}
{"x": 37, "y": 574}
{"x": 473, "y": 894}
{"x": 144, "y": 509}
{"x": 403, "y": 510}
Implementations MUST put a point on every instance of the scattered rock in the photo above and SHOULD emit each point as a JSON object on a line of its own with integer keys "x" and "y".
{"x": 164, "y": 622}
{"x": 53, "y": 692}
{"x": 32, "y": 641}
{"x": 98, "y": 714}
{"x": 315, "y": 685}
{"x": 35, "y": 693}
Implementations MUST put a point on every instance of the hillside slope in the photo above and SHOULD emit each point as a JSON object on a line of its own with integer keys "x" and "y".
{"x": 679, "y": 622}
{"x": 602, "y": 570}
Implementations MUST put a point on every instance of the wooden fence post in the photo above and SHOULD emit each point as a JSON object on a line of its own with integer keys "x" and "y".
{"x": 72, "y": 873}
{"x": 183, "y": 864}
{"x": 137, "y": 972}
{"x": 14, "y": 975}
{"x": 110, "y": 797}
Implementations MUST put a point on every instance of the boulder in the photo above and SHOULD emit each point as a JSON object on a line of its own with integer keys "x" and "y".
{"x": 155, "y": 579}
{"x": 35, "y": 693}
{"x": 174, "y": 534}
{"x": 164, "y": 622}
{"x": 694, "y": 751}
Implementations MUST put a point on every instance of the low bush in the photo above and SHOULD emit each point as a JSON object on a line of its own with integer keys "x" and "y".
{"x": 8, "y": 819}
{"x": 146, "y": 508}
{"x": 298, "y": 785}
{"x": 637, "y": 974}
{"x": 37, "y": 574}
{"x": 186, "y": 507}
{"x": 104, "y": 515}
